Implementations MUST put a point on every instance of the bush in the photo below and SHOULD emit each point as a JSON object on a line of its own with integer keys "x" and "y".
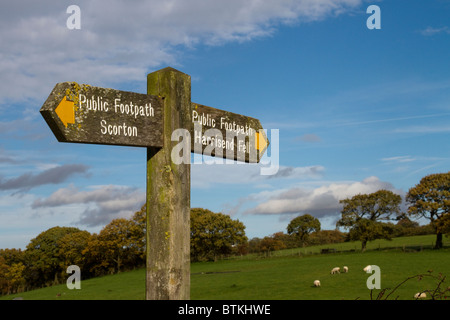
{"x": 405, "y": 227}
{"x": 326, "y": 237}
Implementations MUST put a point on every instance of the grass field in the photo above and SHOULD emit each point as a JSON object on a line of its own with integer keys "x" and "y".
{"x": 286, "y": 275}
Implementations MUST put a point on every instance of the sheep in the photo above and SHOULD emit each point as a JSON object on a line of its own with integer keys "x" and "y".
{"x": 368, "y": 269}
{"x": 420, "y": 295}
{"x": 335, "y": 270}
{"x": 345, "y": 269}
{"x": 316, "y": 283}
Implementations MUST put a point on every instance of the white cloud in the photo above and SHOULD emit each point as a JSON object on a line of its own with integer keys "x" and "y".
{"x": 19, "y": 223}
{"x": 430, "y": 31}
{"x": 400, "y": 159}
{"x": 423, "y": 129}
{"x": 322, "y": 201}
{"x": 98, "y": 206}
{"x": 53, "y": 175}
{"x": 120, "y": 41}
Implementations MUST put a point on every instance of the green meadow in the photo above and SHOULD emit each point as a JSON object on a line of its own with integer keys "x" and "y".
{"x": 287, "y": 275}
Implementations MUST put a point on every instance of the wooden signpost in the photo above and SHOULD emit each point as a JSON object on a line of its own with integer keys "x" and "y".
{"x": 85, "y": 114}
{"x": 225, "y": 134}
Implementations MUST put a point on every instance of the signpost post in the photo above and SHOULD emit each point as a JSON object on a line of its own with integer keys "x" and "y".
{"x": 86, "y": 114}
{"x": 168, "y": 195}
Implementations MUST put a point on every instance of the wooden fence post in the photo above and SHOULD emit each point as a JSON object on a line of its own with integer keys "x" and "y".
{"x": 168, "y": 194}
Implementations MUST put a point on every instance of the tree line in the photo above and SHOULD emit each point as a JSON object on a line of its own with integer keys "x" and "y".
{"x": 121, "y": 244}
{"x": 367, "y": 216}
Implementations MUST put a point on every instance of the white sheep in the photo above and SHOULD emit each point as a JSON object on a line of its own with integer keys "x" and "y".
{"x": 316, "y": 283}
{"x": 420, "y": 295}
{"x": 368, "y": 269}
{"x": 335, "y": 270}
{"x": 345, "y": 269}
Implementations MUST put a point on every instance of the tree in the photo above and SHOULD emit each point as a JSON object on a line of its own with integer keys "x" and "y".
{"x": 11, "y": 271}
{"x": 4, "y": 283}
{"x": 71, "y": 247}
{"x": 289, "y": 240}
{"x": 407, "y": 223}
{"x": 42, "y": 257}
{"x": 214, "y": 234}
{"x": 430, "y": 199}
{"x": 95, "y": 260}
{"x": 363, "y": 215}
{"x": 117, "y": 246}
{"x": 139, "y": 231}
{"x": 407, "y": 227}
{"x": 302, "y": 226}
{"x": 326, "y": 237}
{"x": 443, "y": 224}
{"x": 15, "y": 278}
{"x": 268, "y": 244}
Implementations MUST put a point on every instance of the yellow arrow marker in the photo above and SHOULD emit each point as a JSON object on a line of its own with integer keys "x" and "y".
{"x": 65, "y": 111}
{"x": 260, "y": 141}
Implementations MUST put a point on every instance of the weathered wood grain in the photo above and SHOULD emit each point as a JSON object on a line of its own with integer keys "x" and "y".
{"x": 168, "y": 195}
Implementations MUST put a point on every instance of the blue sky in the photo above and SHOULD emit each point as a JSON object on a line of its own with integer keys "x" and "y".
{"x": 356, "y": 110}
